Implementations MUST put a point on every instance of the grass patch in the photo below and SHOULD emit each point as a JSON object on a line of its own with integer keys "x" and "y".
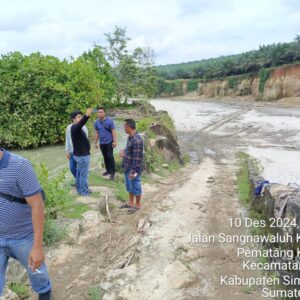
{"x": 98, "y": 180}
{"x": 243, "y": 178}
{"x": 117, "y": 185}
{"x": 21, "y": 289}
{"x": 74, "y": 210}
{"x": 186, "y": 158}
{"x": 53, "y": 232}
{"x": 248, "y": 290}
{"x": 95, "y": 293}
{"x": 174, "y": 166}
{"x": 122, "y": 194}
{"x": 95, "y": 194}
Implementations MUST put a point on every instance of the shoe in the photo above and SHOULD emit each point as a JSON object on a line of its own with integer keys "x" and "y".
{"x": 132, "y": 210}
{"x": 105, "y": 173}
{"x": 125, "y": 205}
{"x": 45, "y": 296}
{"x": 90, "y": 191}
{"x": 112, "y": 177}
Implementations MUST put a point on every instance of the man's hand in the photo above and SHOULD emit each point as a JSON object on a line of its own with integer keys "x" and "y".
{"x": 114, "y": 144}
{"x": 132, "y": 175}
{"x": 68, "y": 154}
{"x": 36, "y": 257}
{"x": 96, "y": 145}
{"x": 122, "y": 153}
{"x": 89, "y": 112}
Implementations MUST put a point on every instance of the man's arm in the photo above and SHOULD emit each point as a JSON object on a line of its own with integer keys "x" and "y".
{"x": 68, "y": 142}
{"x": 114, "y": 134}
{"x": 36, "y": 256}
{"x": 84, "y": 128}
{"x": 96, "y": 138}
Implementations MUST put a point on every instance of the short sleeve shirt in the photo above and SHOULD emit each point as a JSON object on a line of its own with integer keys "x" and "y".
{"x": 18, "y": 179}
{"x": 104, "y": 129}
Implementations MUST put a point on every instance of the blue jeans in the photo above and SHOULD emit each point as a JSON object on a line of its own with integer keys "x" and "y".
{"x": 72, "y": 165}
{"x": 19, "y": 249}
{"x": 82, "y": 174}
{"x": 133, "y": 186}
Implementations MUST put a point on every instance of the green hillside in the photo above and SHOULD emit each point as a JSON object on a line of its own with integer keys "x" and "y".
{"x": 248, "y": 62}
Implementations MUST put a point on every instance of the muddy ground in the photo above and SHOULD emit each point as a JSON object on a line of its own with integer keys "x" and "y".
{"x": 147, "y": 255}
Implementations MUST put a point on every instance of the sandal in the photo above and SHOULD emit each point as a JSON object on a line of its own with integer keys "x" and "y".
{"x": 132, "y": 210}
{"x": 125, "y": 205}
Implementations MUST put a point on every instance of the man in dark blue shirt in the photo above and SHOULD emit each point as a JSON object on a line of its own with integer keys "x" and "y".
{"x": 105, "y": 132}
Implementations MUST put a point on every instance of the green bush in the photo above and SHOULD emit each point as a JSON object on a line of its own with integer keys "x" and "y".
{"x": 56, "y": 194}
{"x": 264, "y": 75}
{"x": 171, "y": 88}
{"x": 232, "y": 82}
{"x": 38, "y": 92}
{"x": 57, "y": 199}
{"x": 143, "y": 124}
{"x": 166, "y": 120}
{"x": 192, "y": 85}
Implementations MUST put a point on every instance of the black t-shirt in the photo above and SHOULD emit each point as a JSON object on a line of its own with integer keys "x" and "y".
{"x": 81, "y": 143}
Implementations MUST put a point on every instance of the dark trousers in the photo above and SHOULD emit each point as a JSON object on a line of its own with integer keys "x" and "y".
{"x": 108, "y": 156}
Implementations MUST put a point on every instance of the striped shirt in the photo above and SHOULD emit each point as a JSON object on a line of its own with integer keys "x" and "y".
{"x": 18, "y": 179}
{"x": 133, "y": 154}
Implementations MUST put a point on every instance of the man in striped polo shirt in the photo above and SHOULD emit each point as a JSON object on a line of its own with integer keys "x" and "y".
{"x": 22, "y": 222}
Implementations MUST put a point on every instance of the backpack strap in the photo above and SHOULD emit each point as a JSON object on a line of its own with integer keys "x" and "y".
{"x": 11, "y": 198}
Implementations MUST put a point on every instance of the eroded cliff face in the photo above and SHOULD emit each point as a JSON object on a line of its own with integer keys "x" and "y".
{"x": 282, "y": 82}
{"x": 222, "y": 88}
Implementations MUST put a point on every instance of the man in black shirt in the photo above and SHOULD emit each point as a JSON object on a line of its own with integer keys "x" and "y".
{"x": 81, "y": 151}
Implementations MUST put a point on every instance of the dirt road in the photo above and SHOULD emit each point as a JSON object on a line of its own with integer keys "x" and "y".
{"x": 149, "y": 255}
{"x": 199, "y": 199}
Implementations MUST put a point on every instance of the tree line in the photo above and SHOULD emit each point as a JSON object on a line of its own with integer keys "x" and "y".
{"x": 267, "y": 56}
{"x": 37, "y": 92}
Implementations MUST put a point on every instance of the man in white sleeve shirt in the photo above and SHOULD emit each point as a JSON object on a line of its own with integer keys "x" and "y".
{"x": 69, "y": 148}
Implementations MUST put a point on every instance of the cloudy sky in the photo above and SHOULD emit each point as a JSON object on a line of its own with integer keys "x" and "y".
{"x": 177, "y": 30}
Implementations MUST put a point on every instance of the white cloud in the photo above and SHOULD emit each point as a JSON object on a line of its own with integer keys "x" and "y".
{"x": 177, "y": 30}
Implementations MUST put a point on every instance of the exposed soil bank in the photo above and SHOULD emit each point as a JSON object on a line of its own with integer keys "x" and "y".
{"x": 281, "y": 82}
